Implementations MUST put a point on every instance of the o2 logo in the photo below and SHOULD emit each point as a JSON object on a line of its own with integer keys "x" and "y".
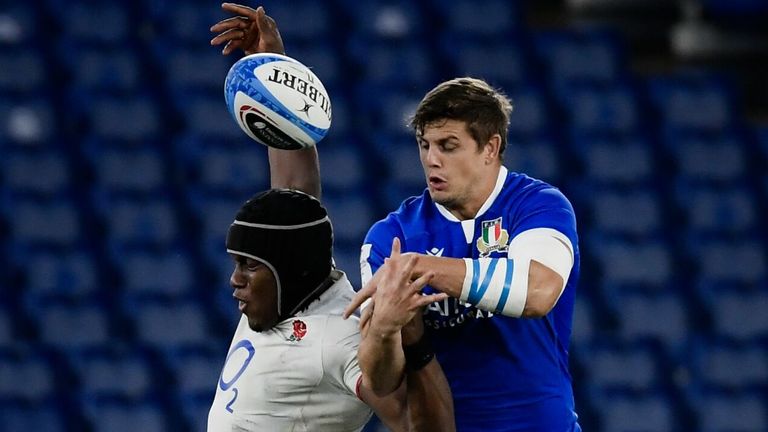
{"x": 226, "y": 384}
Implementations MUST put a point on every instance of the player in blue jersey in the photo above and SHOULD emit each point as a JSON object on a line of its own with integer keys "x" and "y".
{"x": 504, "y": 247}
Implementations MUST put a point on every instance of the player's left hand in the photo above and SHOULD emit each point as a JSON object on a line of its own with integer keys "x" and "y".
{"x": 251, "y": 30}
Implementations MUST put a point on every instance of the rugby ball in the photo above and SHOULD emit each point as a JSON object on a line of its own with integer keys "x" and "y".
{"x": 277, "y": 101}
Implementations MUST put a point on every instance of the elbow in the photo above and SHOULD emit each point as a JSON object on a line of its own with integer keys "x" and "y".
{"x": 544, "y": 288}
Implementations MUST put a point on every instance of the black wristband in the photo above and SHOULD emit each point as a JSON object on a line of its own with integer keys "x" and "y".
{"x": 419, "y": 354}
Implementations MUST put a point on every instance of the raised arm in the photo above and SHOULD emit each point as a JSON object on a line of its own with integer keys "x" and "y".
{"x": 393, "y": 350}
{"x": 253, "y": 31}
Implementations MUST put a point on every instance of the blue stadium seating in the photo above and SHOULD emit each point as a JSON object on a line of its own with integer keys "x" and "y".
{"x": 121, "y": 170}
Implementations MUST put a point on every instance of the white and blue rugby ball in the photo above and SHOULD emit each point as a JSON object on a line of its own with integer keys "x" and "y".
{"x": 278, "y": 101}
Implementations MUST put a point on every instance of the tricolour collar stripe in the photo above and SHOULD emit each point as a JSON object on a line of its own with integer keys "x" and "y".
{"x": 281, "y": 227}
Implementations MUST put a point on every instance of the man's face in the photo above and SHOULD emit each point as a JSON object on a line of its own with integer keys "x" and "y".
{"x": 256, "y": 290}
{"x": 453, "y": 165}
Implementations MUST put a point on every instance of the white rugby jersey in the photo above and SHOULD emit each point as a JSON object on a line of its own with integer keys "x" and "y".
{"x": 301, "y": 375}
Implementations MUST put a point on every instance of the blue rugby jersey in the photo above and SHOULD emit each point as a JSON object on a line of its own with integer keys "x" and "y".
{"x": 506, "y": 374}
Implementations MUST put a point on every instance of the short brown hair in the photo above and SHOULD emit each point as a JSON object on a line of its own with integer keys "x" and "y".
{"x": 484, "y": 109}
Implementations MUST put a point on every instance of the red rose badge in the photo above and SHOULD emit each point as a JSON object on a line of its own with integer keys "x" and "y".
{"x": 299, "y": 330}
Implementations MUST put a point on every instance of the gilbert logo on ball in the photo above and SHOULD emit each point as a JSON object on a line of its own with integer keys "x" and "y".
{"x": 278, "y": 101}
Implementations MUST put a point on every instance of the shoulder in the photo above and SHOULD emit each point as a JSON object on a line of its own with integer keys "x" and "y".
{"x": 413, "y": 211}
{"x": 532, "y": 192}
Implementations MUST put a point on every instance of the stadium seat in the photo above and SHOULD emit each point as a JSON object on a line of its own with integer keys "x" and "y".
{"x": 146, "y": 222}
{"x": 635, "y": 212}
{"x": 584, "y": 328}
{"x": 649, "y": 413}
{"x": 202, "y": 68}
{"x": 580, "y": 57}
{"x": 30, "y": 368}
{"x": 34, "y": 172}
{"x": 712, "y": 159}
{"x": 71, "y": 275}
{"x": 112, "y": 416}
{"x": 239, "y": 169}
{"x": 621, "y": 368}
{"x": 531, "y": 113}
{"x": 669, "y": 326}
{"x": 536, "y": 157}
{"x": 382, "y": 63}
{"x": 730, "y": 260}
{"x": 726, "y": 412}
{"x": 728, "y": 211}
{"x": 97, "y": 371}
{"x": 385, "y": 19}
{"x": 487, "y": 18}
{"x": 619, "y": 261}
{"x": 500, "y": 62}
{"x": 317, "y": 18}
{"x": 617, "y": 160}
{"x": 692, "y": 102}
{"x": 116, "y": 169}
{"x": 32, "y": 418}
{"x": 740, "y": 316}
{"x": 28, "y": 122}
{"x": 169, "y": 273}
{"x": 30, "y": 222}
{"x": 729, "y": 367}
{"x": 124, "y": 119}
{"x": 612, "y": 109}
{"x": 18, "y": 22}
{"x": 72, "y": 328}
{"x": 103, "y": 69}
{"x": 164, "y": 325}
{"x": 351, "y": 216}
{"x": 79, "y": 19}
{"x": 6, "y": 328}
{"x": 22, "y": 71}
{"x": 347, "y": 258}
{"x": 343, "y": 168}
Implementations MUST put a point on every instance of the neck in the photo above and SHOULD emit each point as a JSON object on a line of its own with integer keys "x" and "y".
{"x": 478, "y": 197}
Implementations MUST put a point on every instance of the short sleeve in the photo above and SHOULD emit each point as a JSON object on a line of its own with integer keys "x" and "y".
{"x": 376, "y": 247}
{"x": 547, "y": 208}
{"x": 340, "y": 353}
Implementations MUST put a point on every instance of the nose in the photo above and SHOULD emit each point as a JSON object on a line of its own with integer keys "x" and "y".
{"x": 236, "y": 280}
{"x": 432, "y": 158}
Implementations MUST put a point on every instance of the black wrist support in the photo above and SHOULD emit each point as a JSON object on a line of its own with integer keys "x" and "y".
{"x": 419, "y": 354}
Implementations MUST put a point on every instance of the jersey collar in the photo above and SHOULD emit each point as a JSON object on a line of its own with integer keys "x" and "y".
{"x": 500, "y": 179}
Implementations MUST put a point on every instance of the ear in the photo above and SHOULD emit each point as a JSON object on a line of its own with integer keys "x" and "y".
{"x": 492, "y": 147}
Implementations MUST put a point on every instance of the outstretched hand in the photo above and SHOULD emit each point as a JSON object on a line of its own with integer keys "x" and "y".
{"x": 398, "y": 299}
{"x": 251, "y": 30}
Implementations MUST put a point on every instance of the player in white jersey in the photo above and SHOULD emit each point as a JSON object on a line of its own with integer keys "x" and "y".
{"x": 293, "y": 362}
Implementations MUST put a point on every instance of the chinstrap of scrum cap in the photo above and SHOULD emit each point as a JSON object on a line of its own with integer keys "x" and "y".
{"x": 291, "y": 233}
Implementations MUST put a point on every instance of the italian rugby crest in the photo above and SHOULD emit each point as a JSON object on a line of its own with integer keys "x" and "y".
{"x": 493, "y": 239}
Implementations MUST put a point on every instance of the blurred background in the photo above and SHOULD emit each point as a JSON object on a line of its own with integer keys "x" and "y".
{"x": 120, "y": 172}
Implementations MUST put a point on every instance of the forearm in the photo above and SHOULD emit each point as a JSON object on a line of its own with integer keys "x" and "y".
{"x": 430, "y": 402}
{"x": 295, "y": 169}
{"x": 382, "y": 361}
{"x": 448, "y": 273}
{"x": 536, "y": 287}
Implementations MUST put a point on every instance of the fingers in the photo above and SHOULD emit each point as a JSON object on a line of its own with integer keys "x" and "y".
{"x": 364, "y": 294}
{"x": 395, "y": 248}
{"x": 426, "y": 300}
{"x": 231, "y": 46}
{"x": 422, "y": 281}
{"x": 365, "y": 316}
{"x": 230, "y": 35}
{"x": 229, "y": 24}
{"x": 246, "y": 11}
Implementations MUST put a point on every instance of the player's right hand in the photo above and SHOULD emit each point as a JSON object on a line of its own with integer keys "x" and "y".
{"x": 251, "y": 30}
{"x": 399, "y": 299}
